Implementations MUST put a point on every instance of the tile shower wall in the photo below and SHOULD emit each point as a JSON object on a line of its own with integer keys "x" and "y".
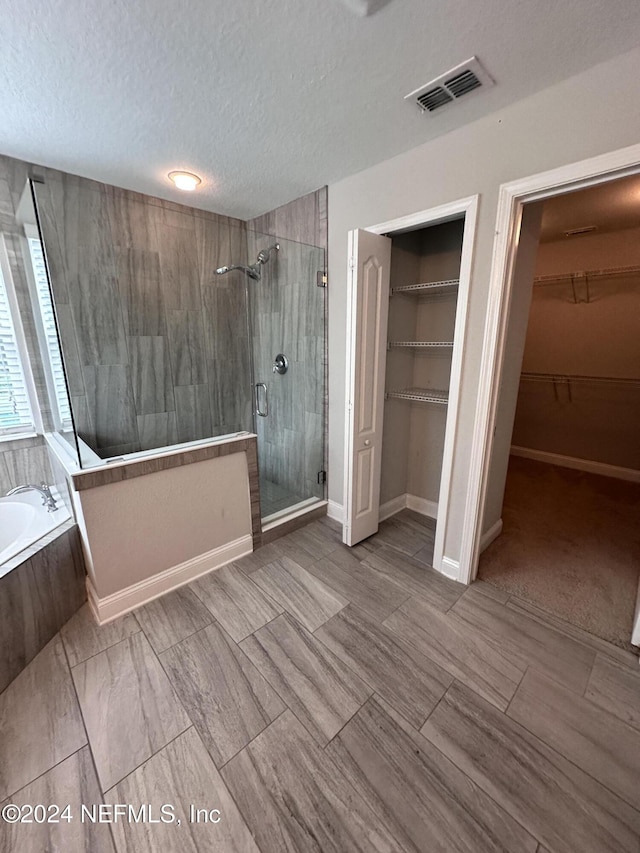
{"x": 155, "y": 344}
{"x": 25, "y": 460}
{"x": 288, "y": 317}
{"x": 288, "y": 313}
{"x": 142, "y": 315}
{"x": 303, "y": 220}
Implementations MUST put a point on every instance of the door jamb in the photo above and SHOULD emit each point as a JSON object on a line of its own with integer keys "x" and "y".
{"x": 467, "y": 207}
{"x": 512, "y": 196}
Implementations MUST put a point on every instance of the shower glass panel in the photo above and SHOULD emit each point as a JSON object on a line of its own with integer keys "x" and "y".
{"x": 287, "y": 314}
{"x": 155, "y": 345}
{"x": 57, "y": 416}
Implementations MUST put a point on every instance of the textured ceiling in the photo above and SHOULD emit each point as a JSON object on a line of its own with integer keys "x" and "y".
{"x": 269, "y": 99}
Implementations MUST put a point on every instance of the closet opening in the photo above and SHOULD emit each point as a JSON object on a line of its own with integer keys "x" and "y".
{"x": 409, "y": 282}
{"x": 424, "y": 282}
{"x": 568, "y": 539}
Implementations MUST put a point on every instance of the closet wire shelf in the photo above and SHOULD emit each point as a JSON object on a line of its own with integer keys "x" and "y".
{"x": 611, "y": 272}
{"x": 418, "y": 344}
{"x": 566, "y": 377}
{"x": 430, "y": 288}
{"x": 567, "y": 380}
{"x": 580, "y": 280}
{"x": 419, "y": 395}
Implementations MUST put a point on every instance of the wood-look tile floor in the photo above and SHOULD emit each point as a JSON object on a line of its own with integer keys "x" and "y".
{"x": 322, "y": 698}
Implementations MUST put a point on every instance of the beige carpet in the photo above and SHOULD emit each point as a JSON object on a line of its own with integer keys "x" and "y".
{"x": 571, "y": 545}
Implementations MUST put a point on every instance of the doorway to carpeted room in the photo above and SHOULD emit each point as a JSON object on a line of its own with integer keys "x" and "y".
{"x": 570, "y": 545}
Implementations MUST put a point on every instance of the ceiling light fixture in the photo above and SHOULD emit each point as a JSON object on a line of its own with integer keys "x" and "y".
{"x": 185, "y": 180}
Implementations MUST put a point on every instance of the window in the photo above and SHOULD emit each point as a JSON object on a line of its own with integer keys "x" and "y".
{"x": 16, "y": 384}
{"x": 48, "y": 333}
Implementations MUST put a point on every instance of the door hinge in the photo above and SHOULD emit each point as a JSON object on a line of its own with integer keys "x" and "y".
{"x": 352, "y": 263}
{"x": 322, "y": 478}
{"x": 321, "y": 278}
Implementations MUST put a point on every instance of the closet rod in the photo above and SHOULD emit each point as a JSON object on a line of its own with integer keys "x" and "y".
{"x": 541, "y": 280}
{"x": 566, "y": 381}
{"x": 565, "y": 377}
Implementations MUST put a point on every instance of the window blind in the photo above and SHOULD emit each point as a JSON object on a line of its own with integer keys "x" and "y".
{"x": 16, "y": 416}
{"x": 51, "y": 342}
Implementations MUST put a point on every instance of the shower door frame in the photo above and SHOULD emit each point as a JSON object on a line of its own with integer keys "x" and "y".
{"x": 312, "y": 503}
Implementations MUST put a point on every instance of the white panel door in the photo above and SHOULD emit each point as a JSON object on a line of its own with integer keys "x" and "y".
{"x": 367, "y": 313}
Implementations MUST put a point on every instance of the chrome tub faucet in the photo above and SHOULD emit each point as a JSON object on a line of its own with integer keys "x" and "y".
{"x": 48, "y": 499}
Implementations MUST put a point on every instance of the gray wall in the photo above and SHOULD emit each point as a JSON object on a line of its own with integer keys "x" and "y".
{"x": 25, "y": 460}
{"x": 155, "y": 344}
{"x": 557, "y": 126}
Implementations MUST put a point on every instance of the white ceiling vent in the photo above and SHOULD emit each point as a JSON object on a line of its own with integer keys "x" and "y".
{"x": 448, "y": 87}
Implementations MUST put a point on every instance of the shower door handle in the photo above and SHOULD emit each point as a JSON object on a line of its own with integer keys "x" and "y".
{"x": 262, "y": 412}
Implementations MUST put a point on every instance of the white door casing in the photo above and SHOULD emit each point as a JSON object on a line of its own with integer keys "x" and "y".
{"x": 512, "y": 196}
{"x": 367, "y": 313}
{"x": 635, "y": 631}
{"x": 467, "y": 207}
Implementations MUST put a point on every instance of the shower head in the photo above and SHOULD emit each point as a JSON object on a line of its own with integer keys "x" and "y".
{"x": 254, "y": 270}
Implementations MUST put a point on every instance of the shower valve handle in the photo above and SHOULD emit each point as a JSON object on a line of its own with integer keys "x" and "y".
{"x": 280, "y": 363}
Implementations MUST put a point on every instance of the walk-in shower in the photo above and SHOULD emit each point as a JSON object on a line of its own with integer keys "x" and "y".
{"x": 253, "y": 271}
{"x": 161, "y": 348}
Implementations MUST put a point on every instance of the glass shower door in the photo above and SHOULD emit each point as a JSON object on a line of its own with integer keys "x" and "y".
{"x": 287, "y": 309}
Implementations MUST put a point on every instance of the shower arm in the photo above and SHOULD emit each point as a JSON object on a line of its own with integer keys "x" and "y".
{"x": 254, "y": 270}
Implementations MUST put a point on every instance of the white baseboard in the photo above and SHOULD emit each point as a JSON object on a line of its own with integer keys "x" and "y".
{"x": 112, "y": 606}
{"x": 392, "y": 507}
{"x": 492, "y": 533}
{"x": 630, "y": 474}
{"x": 423, "y": 506}
{"x": 335, "y": 511}
{"x": 450, "y": 568}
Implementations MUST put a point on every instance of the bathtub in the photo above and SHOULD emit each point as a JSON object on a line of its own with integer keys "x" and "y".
{"x": 23, "y": 520}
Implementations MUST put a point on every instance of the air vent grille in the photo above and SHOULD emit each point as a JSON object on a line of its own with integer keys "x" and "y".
{"x": 462, "y": 83}
{"x": 448, "y": 87}
{"x": 434, "y": 98}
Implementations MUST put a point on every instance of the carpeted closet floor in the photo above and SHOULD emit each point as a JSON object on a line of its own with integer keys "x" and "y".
{"x": 571, "y": 545}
